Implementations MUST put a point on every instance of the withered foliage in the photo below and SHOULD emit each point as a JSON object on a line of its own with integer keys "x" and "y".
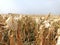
{"x": 29, "y": 30}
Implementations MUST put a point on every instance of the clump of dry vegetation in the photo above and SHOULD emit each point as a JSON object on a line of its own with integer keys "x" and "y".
{"x": 29, "y": 30}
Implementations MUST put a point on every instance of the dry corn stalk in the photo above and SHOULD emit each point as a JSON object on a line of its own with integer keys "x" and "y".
{"x": 12, "y": 42}
{"x": 18, "y": 36}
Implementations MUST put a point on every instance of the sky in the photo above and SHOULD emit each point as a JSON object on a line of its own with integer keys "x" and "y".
{"x": 30, "y": 6}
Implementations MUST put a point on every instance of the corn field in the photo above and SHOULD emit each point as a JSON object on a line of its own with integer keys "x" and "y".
{"x": 29, "y": 30}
